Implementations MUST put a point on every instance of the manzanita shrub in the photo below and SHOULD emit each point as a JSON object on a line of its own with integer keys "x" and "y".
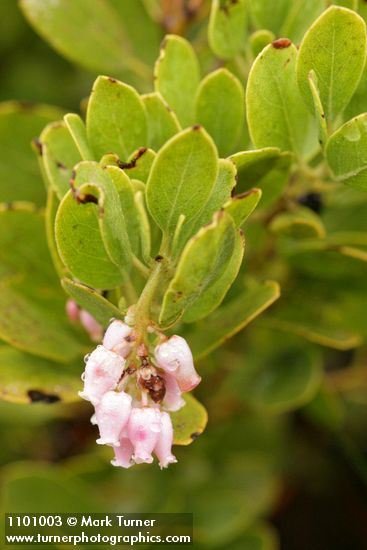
{"x": 145, "y": 228}
{"x": 151, "y": 196}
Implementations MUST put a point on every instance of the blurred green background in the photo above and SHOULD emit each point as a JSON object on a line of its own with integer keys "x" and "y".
{"x": 283, "y": 461}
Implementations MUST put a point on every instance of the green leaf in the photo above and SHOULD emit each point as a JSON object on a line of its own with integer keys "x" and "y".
{"x": 78, "y": 132}
{"x": 23, "y": 377}
{"x": 276, "y": 115}
{"x": 177, "y": 75}
{"x": 33, "y": 307}
{"x": 344, "y": 153}
{"x": 300, "y": 223}
{"x": 93, "y": 183}
{"x": 318, "y": 108}
{"x": 101, "y": 309}
{"x": 220, "y": 108}
{"x": 335, "y": 48}
{"x": 182, "y": 177}
{"x": 59, "y": 156}
{"x": 105, "y": 46}
{"x": 81, "y": 246}
{"x": 19, "y": 172}
{"x": 290, "y": 378}
{"x": 241, "y": 206}
{"x": 162, "y": 121}
{"x": 189, "y": 422}
{"x": 231, "y": 318}
{"x": 130, "y": 211}
{"x": 268, "y": 168}
{"x": 116, "y": 119}
{"x": 260, "y": 39}
{"x": 201, "y": 265}
{"x": 212, "y": 296}
{"x": 220, "y": 194}
{"x": 227, "y": 27}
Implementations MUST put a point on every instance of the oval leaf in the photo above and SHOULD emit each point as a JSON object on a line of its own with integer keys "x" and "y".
{"x": 177, "y": 74}
{"x": 227, "y": 27}
{"x": 276, "y": 115}
{"x": 105, "y": 45}
{"x": 220, "y": 108}
{"x": 116, "y": 119}
{"x": 162, "y": 121}
{"x": 335, "y": 48}
{"x": 81, "y": 246}
{"x": 182, "y": 177}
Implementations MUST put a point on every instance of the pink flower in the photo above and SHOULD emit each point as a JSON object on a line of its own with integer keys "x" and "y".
{"x": 143, "y": 430}
{"x": 72, "y": 311}
{"x": 175, "y": 357}
{"x": 173, "y": 400}
{"x": 164, "y": 442}
{"x": 115, "y": 338}
{"x": 93, "y": 328}
{"x": 102, "y": 373}
{"x": 123, "y": 454}
{"x": 112, "y": 415}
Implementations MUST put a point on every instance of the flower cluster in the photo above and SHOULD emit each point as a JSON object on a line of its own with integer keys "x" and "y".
{"x": 133, "y": 392}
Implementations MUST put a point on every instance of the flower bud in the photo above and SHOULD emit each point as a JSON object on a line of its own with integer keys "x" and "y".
{"x": 112, "y": 414}
{"x": 143, "y": 429}
{"x": 164, "y": 443}
{"x": 115, "y": 338}
{"x": 175, "y": 357}
{"x": 93, "y": 328}
{"x": 173, "y": 400}
{"x": 123, "y": 454}
{"x": 102, "y": 373}
{"x": 72, "y": 311}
